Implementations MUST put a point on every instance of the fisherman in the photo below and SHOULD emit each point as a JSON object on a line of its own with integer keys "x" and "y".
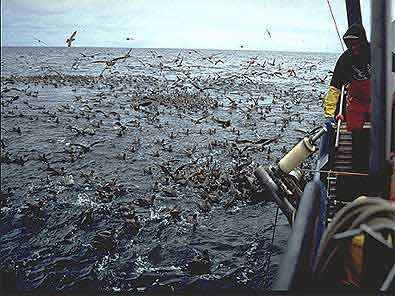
{"x": 353, "y": 70}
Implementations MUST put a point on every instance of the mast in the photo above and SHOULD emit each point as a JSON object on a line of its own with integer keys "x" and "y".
{"x": 379, "y": 165}
{"x": 353, "y": 12}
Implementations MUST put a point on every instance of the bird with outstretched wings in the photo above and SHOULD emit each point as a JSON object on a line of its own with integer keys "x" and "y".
{"x": 124, "y": 57}
{"x": 71, "y": 39}
{"x": 112, "y": 62}
{"x": 40, "y": 41}
{"x": 109, "y": 63}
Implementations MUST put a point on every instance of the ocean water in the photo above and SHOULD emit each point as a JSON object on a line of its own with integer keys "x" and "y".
{"x": 169, "y": 136}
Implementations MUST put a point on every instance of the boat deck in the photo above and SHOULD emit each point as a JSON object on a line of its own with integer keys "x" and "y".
{"x": 344, "y": 188}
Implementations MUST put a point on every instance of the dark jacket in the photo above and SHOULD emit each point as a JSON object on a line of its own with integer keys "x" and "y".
{"x": 349, "y": 68}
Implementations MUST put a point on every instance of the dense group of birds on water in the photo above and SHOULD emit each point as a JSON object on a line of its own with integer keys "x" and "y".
{"x": 131, "y": 146}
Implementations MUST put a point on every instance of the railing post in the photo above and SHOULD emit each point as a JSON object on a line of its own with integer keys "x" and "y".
{"x": 381, "y": 99}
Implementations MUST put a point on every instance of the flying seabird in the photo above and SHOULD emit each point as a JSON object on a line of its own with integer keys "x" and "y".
{"x": 110, "y": 63}
{"x": 40, "y": 41}
{"x": 268, "y": 33}
{"x": 71, "y": 39}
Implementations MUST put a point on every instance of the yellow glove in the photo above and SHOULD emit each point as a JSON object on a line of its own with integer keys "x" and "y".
{"x": 330, "y": 101}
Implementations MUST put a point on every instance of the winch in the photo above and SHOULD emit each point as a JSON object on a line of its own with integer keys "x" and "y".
{"x": 285, "y": 180}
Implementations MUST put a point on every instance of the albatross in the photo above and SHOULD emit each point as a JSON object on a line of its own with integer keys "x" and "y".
{"x": 110, "y": 63}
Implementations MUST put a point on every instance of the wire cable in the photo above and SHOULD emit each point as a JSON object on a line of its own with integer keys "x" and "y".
{"x": 337, "y": 29}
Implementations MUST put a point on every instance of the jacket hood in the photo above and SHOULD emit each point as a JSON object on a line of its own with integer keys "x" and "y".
{"x": 356, "y": 31}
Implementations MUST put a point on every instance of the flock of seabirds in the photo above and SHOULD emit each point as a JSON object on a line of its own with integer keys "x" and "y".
{"x": 193, "y": 133}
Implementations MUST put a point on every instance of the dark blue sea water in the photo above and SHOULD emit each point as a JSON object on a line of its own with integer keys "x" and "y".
{"x": 139, "y": 176}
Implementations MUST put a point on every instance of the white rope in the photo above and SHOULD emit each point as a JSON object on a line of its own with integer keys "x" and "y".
{"x": 339, "y": 121}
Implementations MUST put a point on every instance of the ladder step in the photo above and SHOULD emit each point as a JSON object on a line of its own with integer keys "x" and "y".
{"x": 345, "y": 136}
{"x": 345, "y": 168}
{"x": 345, "y": 142}
{"x": 342, "y": 162}
{"x": 344, "y": 149}
{"x": 344, "y": 156}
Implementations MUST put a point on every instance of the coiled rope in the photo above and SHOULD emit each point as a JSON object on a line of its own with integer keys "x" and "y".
{"x": 332, "y": 253}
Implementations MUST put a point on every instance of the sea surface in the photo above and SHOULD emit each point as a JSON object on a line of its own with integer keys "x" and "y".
{"x": 138, "y": 175}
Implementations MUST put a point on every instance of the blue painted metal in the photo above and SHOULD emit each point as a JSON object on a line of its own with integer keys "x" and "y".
{"x": 381, "y": 99}
{"x": 296, "y": 268}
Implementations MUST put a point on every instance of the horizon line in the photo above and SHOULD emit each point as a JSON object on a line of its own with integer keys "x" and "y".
{"x": 216, "y": 49}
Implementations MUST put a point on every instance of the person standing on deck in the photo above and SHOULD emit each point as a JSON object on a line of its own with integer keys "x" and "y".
{"x": 353, "y": 69}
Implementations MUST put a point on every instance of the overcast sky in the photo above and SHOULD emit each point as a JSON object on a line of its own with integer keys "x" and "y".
{"x": 294, "y": 25}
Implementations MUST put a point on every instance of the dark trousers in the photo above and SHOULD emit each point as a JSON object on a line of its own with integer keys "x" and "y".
{"x": 360, "y": 151}
{"x": 360, "y": 159}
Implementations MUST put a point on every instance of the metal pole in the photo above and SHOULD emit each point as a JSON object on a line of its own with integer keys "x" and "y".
{"x": 381, "y": 100}
{"x": 353, "y": 12}
{"x": 339, "y": 120}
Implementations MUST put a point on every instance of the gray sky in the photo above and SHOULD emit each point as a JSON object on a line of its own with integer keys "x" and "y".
{"x": 294, "y": 25}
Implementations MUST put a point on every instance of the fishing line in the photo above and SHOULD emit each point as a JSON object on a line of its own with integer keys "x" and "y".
{"x": 335, "y": 172}
{"x": 337, "y": 29}
{"x": 272, "y": 242}
{"x": 274, "y": 228}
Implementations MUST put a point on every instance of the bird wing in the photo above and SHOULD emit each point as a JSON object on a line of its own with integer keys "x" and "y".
{"x": 97, "y": 142}
{"x": 72, "y": 35}
{"x": 129, "y": 51}
{"x": 122, "y": 57}
{"x": 40, "y": 41}
{"x": 214, "y": 55}
{"x": 118, "y": 124}
{"x": 97, "y": 62}
{"x": 141, "y": 62}
{"x": 117, "y": 59}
